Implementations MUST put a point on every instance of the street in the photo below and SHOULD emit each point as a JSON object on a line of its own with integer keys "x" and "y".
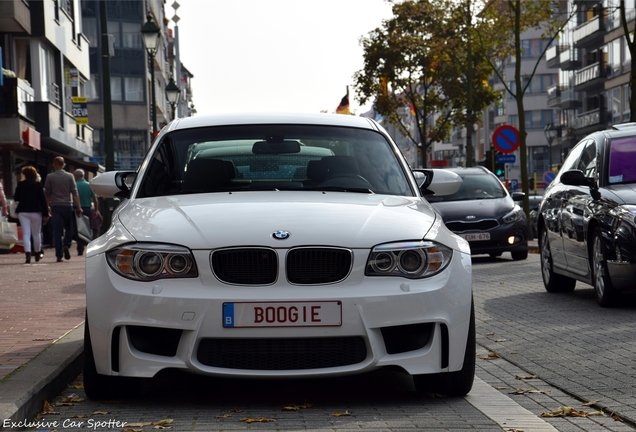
{"x": 539, "y": 351}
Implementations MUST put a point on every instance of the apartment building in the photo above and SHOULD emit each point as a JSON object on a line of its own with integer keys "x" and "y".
{"x": 594, "y": 65}
{"x": 45, "y": 64}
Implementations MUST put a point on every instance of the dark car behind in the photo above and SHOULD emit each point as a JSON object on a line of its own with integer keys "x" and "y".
{"x": 485, "y": 214}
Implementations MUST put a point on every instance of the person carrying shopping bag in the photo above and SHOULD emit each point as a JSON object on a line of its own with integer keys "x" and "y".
{"x": 32, "y": 210}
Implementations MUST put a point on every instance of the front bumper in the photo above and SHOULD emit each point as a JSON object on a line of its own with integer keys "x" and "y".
{"x": 499, "y": 240}
{"x": 139, "y": 328}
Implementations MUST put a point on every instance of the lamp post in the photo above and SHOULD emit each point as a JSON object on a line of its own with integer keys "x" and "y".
{"x": 151, "y": 34}
{"x": 172, "y": 93}
{"x": 550, "y": 133}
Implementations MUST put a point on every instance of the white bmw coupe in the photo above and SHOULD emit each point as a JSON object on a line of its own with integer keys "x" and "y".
{"x": 272, "y": 246}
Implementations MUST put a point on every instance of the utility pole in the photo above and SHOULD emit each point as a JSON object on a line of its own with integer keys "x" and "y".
{"x": 108, "y": 106}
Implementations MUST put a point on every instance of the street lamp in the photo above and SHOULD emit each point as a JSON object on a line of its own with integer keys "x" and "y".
{"x": 151, "y": 35}
{"x": 172, "y": 93}
{"x": 550, "y": 134}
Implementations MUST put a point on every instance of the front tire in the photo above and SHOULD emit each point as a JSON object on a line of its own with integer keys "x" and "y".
{"x": 553, "y": 282}
{"x": 605, "y": 293}
{"x": 453, "y": 383}
{"x": 519, "y": 255}
{"x": 98, "y": 386}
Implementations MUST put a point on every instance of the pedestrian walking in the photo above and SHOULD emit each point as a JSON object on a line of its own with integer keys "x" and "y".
{"x": 32, "y": 209}
{"x": 61, "y": 191}
{"x": 87, "y": 198}
{"x": 4, "y": 208}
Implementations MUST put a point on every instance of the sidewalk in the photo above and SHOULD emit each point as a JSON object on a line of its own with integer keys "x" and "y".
{"x": 41, "y": 312}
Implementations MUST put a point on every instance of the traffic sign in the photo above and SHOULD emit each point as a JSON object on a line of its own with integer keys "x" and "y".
{"x": 514, "y": 184}
{"x": 506, "y": 158}
{"x": 548, "y": 176}
{"x": 506, "y": 139}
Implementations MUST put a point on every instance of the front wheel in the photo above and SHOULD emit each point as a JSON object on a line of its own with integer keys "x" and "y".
{"x": 552, "y": 281}
{"x": 98, "y": 386}
{"x": 605, "y": 293}
{"x": 453, "y": 383}
{"x": 519, "y": 255}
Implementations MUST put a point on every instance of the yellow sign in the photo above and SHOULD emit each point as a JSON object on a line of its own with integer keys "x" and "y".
{"x": 80, "y": 109}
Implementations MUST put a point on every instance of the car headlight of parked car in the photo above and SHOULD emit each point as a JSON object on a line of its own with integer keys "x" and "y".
{"x": 412, "y": 260}
{"x": 515, "y": 215}
{"x": 626, "y": 212}
{"x": 149, "y": 262}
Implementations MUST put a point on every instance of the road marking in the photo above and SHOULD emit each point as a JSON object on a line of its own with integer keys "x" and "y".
{"x": 504, "y": 411}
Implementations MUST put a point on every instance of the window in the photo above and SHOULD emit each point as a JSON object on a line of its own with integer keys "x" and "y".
{"x": 113, "y": 28}
{"x": 90, "y": 31}
{"x": 115, "y": 89}
{"x": 622, "y": 163}
{"x": 131, "y": 35}
{"x": 587, "y": 163}
{"x": 134, "y": 90}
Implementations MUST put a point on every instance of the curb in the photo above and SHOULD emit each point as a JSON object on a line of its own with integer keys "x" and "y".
{"x": 42, "y": 378}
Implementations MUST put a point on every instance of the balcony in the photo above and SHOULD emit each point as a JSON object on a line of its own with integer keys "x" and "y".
{"x": 16, "y": 111}
{"x": 569, "y": 99}
{"x": 590, "y": 34}
{"x": 590, "y": 121}
{"x": 589, "y": 77}
{"x": 553, "y": 55}
{"x": 569, "y": 58}
{"x": 60, "y": 132}
{"x": 15, "y": 16}
{"x": 554, "y": 96}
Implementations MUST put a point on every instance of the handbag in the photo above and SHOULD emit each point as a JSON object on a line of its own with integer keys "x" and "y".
{"x": 83, "y": 228}
{"x": 13, "y": 206}
{"x": 8, "y": 232}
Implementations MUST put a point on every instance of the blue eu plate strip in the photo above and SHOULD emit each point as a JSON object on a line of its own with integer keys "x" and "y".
{"x": 228, "y": 314}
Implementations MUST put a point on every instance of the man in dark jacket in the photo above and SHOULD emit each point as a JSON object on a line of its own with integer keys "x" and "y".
{"x": 61, "y": 191}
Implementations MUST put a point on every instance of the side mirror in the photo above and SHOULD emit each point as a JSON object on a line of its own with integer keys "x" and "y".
{"x": 576, "y": 178}
{"x": 437, "y": 182}
{"x": 517, "y": 196}
{"x": 113, "y": 184}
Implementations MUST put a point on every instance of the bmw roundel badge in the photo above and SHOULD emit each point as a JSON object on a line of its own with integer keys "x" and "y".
{"x": 281, "y": 235}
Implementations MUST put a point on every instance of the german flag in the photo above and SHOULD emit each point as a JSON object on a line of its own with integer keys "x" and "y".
{"x": 343, "y": 108}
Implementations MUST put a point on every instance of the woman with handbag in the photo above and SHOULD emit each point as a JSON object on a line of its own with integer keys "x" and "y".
{"x": 32, "y": 210}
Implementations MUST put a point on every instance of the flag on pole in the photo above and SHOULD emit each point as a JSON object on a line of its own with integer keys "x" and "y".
{"x": 343, "y": 108}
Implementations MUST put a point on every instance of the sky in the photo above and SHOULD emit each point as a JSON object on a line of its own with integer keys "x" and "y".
{"x": 274, "y": 55}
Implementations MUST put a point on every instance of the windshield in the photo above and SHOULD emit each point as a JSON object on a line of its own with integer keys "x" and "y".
{"x": 622, "y": 160}
{"x": 474, "y": 187}
{"x": 273, "y": 157}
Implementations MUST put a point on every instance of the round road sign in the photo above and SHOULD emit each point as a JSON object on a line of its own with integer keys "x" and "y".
{"x": 506, "y": 139}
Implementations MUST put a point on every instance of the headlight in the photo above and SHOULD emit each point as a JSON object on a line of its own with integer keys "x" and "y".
{"x": 414, "y": 260}
{"x": 515, "y": 215}
{"x": 148, "y": 261}
{"x": 626, "y": 212}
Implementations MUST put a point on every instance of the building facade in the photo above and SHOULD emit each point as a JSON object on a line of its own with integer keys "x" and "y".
{"x": 45, "y": 65}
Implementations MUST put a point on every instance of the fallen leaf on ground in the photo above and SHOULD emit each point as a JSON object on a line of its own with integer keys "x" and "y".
{"x": 566, "y": 411}
{"x": 235, "y": 410}
{"x": 490, "y": 356}
{"x": 524, "y": 391}
{"x": 100, "y": 412}
{"x": 339, "y": 414}
{"x": 489, "y": 334}
{"x": 501, "y": 388}
{"x": 526, "y": 377}
{"x": 222, "y": 416}
{"x": 163, "y": 424}
{"x": 292, "y": 407}
{"x": 257, "y": 420}
{"x": 592, "y": 402}
{"x": 616, "y": 417}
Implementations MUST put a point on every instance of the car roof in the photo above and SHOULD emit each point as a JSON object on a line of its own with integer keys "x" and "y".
{"x": 272, "y": 118}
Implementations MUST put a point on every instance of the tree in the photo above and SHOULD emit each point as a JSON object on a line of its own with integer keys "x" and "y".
{"x": 417, "y": 60}
{"x": 504, "y": 22}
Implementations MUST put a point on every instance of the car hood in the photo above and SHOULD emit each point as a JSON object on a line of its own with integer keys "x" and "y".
{"x": 474, "y": 209}
{"x": 207, "y": 221}
{"x": 625, "y": 193}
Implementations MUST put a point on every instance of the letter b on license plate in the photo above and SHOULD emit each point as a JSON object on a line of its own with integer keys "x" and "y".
{"x": 283, "y": 314}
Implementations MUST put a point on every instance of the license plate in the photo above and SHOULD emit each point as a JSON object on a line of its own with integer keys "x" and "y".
{"x": 476, "y": 236}
{"x": 282, "y": 314}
